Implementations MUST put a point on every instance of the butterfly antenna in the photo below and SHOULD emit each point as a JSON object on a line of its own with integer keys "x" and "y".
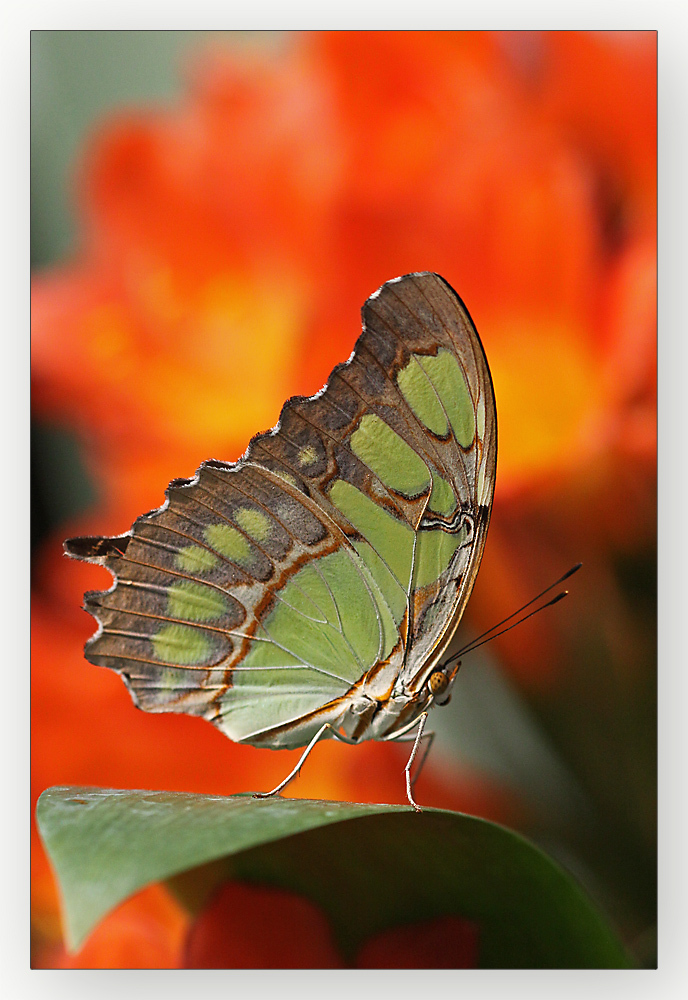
{"x": 480, "y": 640}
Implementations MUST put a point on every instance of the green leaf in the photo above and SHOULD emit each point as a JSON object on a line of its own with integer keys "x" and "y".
{"x": 369, "y": 867}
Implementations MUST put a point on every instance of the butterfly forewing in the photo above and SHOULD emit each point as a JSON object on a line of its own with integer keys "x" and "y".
{"x": 345, "y": 541}
{"x": 446, "y": 382}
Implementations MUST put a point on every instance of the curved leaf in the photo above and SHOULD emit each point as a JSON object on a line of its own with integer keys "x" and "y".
{"x": 369, "y": 867}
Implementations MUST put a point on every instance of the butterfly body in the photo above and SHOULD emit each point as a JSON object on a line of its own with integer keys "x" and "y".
{"x": 318, "y": 581}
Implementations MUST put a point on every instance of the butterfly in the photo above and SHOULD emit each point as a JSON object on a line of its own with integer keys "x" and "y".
{"x": 310, "y": 589}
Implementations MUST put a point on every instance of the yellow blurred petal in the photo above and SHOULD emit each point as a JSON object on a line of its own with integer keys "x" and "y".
{"x": 548, "y": 389}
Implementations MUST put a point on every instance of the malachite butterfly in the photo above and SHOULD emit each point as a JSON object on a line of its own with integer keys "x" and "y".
{"x": 311, "y": 589}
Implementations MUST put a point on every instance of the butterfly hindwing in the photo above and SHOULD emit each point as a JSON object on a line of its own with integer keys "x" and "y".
{"x": 345, "y": 539}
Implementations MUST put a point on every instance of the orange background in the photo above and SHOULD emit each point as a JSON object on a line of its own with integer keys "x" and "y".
{"x": 226, "y": 243}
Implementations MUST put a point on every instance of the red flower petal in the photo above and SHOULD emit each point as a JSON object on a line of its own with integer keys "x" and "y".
{"x": 255, "y": 927}
{"x": 445, "y": 943}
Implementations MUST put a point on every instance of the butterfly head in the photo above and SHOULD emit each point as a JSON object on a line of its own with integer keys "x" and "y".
{"x": 440, "y": 681}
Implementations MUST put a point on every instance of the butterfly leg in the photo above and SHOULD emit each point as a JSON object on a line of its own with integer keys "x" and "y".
{"x": 404, "y": 735}
{"x": 426, "y": 738}
{"x": 409, "y": 765}
{"x": 295, "y": 772}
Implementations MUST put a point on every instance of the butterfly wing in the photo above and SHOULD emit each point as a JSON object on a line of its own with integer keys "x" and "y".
{"x": 442, "y": 373}
{"x": 347, "y": 537}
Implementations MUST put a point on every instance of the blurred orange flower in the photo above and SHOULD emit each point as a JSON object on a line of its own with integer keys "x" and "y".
{"x": 227, "y": 245}
{"x": 241, "y": 233}
{"x": 247, "y": 926}
{"x": 145, "y": 932}
{"x": 256, "y": 927}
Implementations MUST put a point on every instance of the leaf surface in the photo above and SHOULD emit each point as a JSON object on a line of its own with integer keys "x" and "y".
{"x": 370, "y": 867}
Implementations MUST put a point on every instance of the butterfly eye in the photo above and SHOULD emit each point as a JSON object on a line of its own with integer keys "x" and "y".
{"x": 438, "y": 684}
